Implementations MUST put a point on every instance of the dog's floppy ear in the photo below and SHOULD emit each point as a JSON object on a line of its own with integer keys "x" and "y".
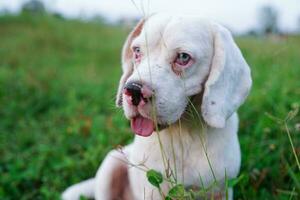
{"x": 229, "y": 80}
{"x": 127, "y": 63}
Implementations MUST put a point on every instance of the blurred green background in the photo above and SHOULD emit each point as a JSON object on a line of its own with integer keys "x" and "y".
{"x": 58, "y": 80}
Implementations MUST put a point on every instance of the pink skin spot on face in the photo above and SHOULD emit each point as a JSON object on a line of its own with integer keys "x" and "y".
{"x": 146, "y": 92}
{"x": 142, "y": 103}
{"x": 137, "y": 59}
{"x": 144, "y": 109}
{"x": 177, "y": 70}
{"x": 128, "y": 99}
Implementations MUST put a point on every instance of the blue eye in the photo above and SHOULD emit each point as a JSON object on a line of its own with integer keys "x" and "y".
{"x": 182, "y": 59}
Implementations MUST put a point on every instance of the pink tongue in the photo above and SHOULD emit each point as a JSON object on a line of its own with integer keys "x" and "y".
{"x": 142, "y": 126}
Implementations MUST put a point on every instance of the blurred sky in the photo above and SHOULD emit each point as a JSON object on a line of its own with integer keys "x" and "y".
{"x": 238, "y": 15}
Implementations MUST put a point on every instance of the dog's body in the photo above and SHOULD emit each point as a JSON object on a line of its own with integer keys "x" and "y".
{"x": 183, "y": 63}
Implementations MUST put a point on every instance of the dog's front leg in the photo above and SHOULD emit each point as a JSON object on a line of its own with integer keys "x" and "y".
{"x": 112, "y": 181}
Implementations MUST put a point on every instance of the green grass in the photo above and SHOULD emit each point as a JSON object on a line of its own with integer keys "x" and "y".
{"x": 58, "y": 81}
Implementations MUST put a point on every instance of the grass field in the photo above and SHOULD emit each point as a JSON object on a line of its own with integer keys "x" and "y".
{"x": 58, "y": 81}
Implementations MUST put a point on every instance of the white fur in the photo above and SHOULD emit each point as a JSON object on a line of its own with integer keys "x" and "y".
{"x": 84, "y": 188}
{"x": 221, "y": 145}
{"x": 219, "y": 72}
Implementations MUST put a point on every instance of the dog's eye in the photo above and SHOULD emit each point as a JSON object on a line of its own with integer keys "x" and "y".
{"x": 137, "y": 53}
{"x": 183, "y": 59}
{"x": 136, "y": 49}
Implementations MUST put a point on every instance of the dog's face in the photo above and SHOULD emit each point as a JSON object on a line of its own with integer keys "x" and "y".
{"x": 167, "y": 59}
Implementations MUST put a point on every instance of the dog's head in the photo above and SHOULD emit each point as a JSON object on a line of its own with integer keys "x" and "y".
{"x": 167, "y": 59}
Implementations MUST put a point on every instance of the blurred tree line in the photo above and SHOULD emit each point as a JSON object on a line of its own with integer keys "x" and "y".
{"x": 33, "y": 7}
{"x": 268, "y": 17}
{"x": 38, "y": 7}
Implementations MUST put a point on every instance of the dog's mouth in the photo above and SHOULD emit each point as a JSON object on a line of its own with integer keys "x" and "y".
{"x": 142, "y": 126}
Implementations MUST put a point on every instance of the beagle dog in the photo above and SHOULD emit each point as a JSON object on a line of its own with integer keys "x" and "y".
{"x": 183, "y": 80}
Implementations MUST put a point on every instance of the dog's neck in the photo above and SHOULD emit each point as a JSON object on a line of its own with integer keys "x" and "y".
{"x": 191, "y": 120}
{"x": 192, "y": 116}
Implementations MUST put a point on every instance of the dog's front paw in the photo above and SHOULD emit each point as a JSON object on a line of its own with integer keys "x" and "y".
{"x": 70, "y": 194}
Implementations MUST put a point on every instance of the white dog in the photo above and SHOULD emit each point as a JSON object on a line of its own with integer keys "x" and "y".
{"x": 173, "y": 68}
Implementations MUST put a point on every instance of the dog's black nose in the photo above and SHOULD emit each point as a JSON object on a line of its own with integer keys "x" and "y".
{"x": 134, "y": 90}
